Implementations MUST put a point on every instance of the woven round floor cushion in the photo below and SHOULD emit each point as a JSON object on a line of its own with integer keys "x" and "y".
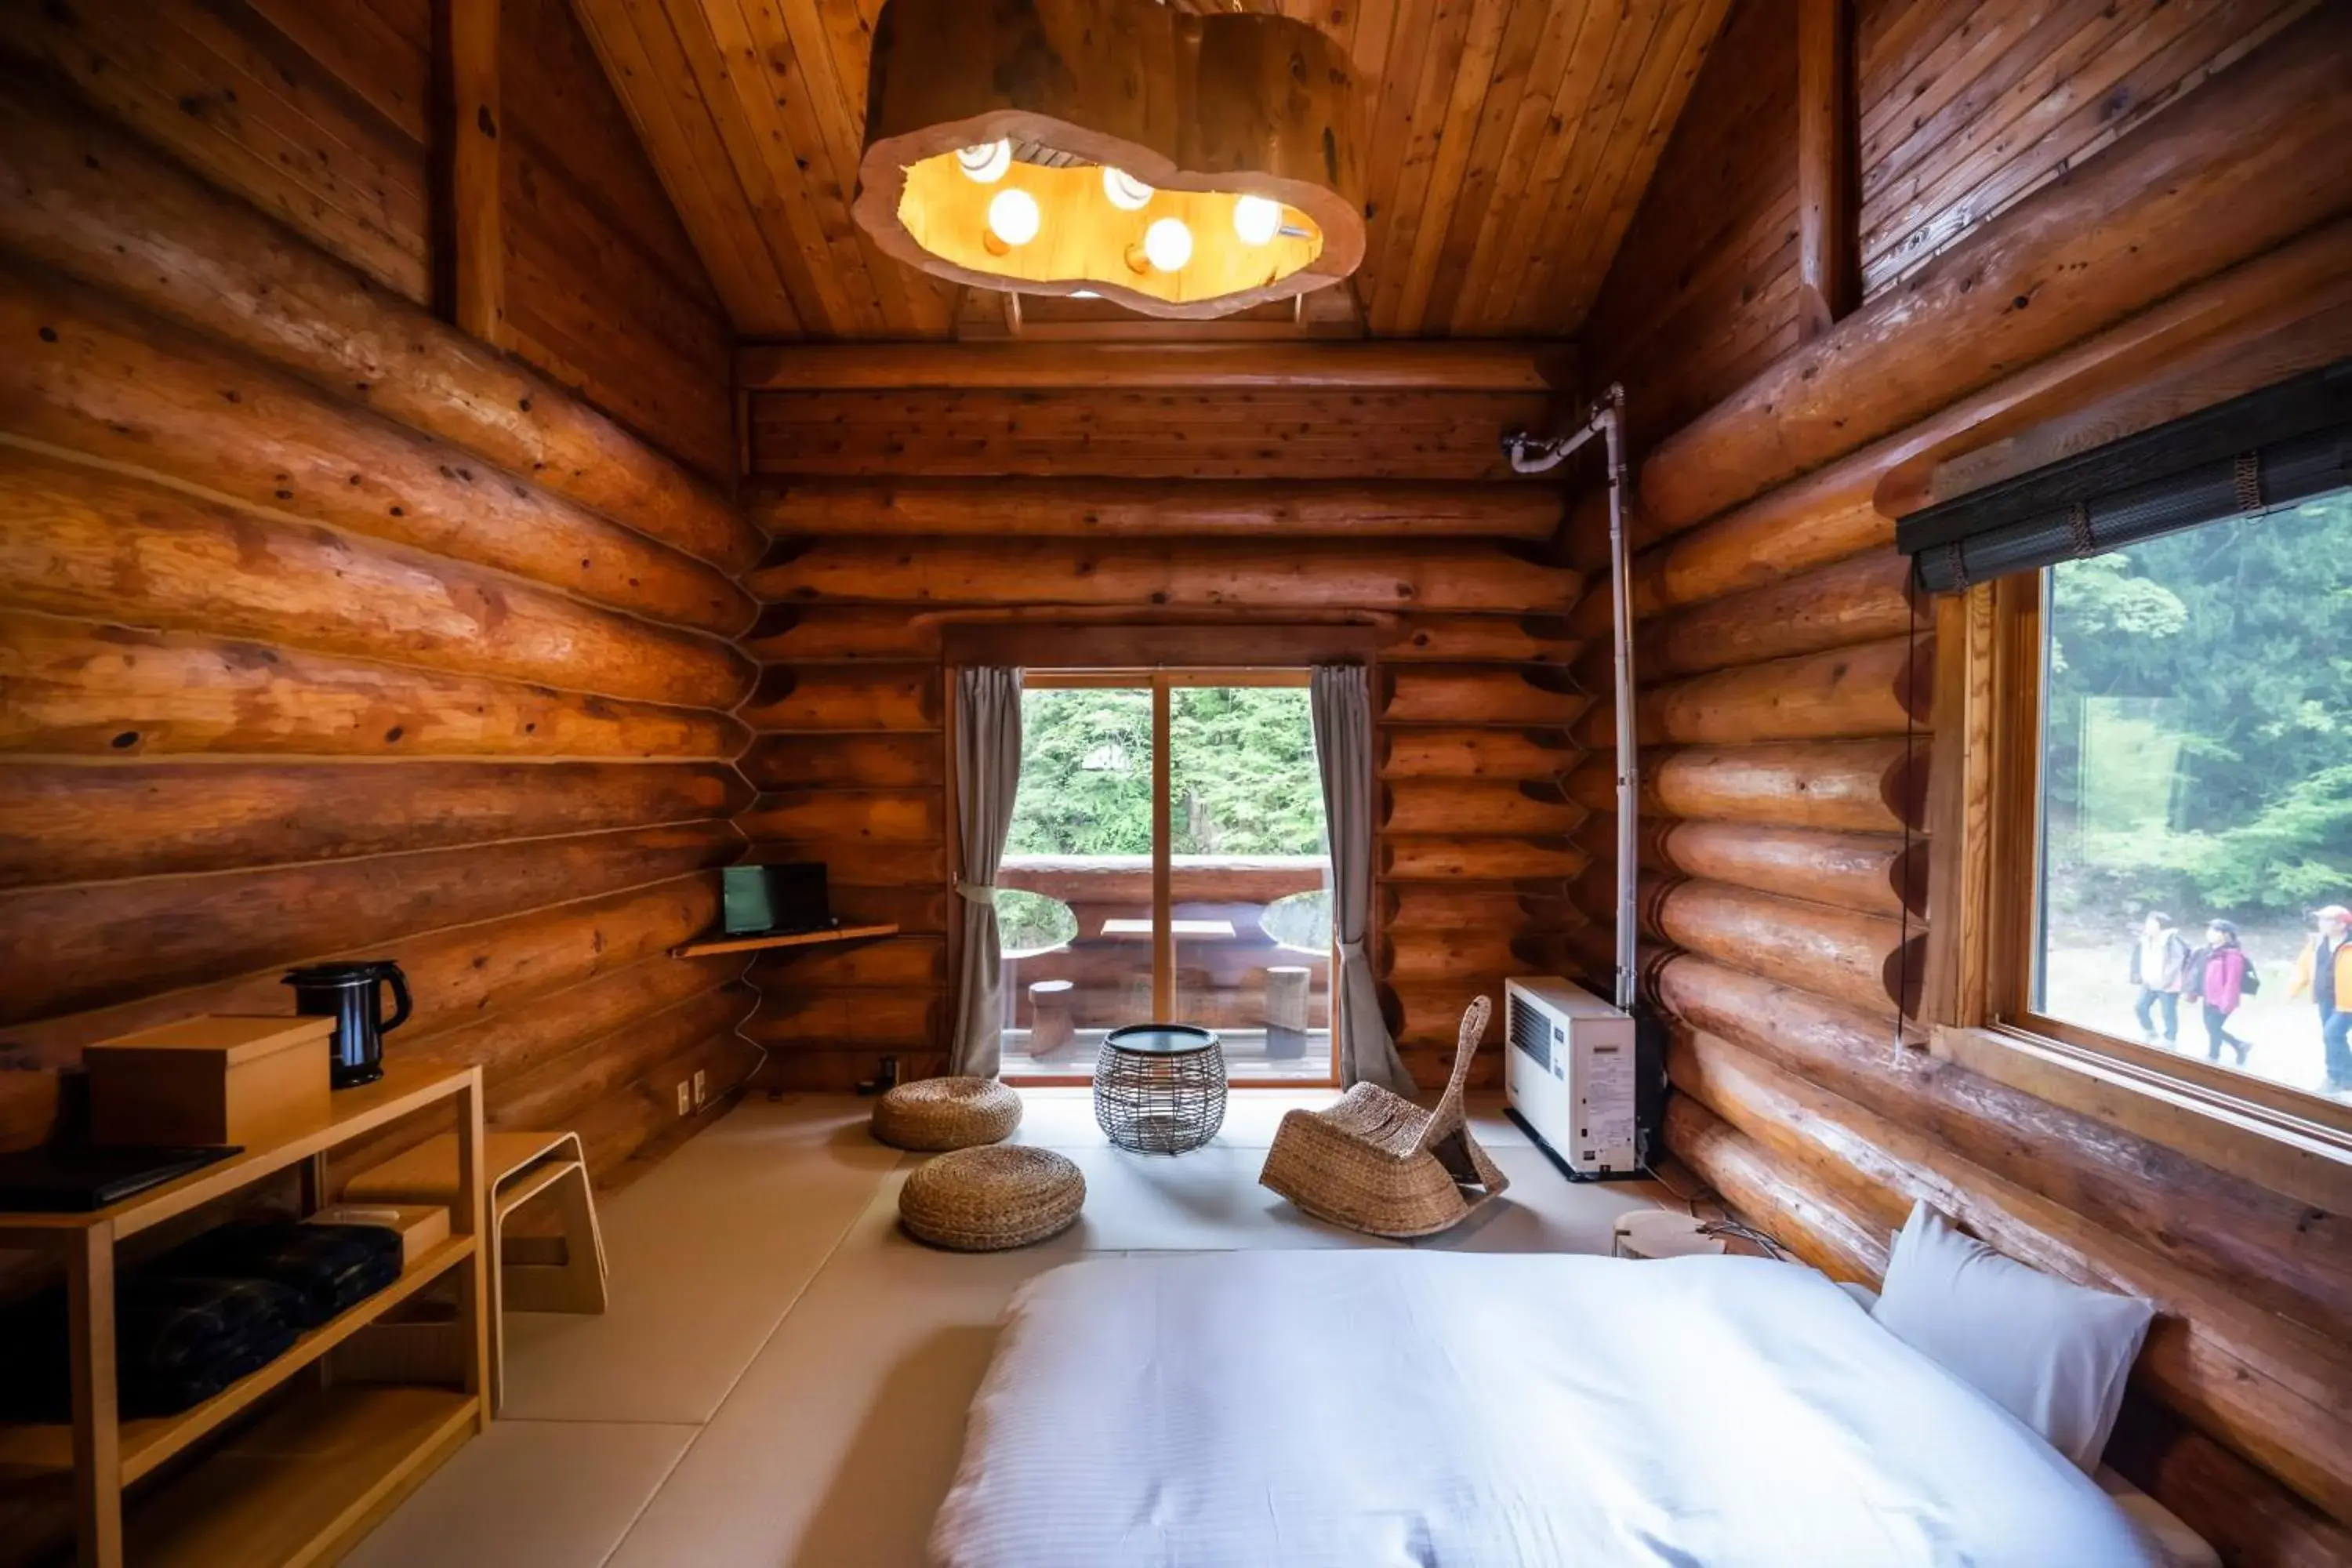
{"x": 934, "y": 1113}
{"x": 986, "y": 1200}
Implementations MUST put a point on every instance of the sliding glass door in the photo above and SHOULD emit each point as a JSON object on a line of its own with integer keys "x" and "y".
{"x": 1168, "y": 862}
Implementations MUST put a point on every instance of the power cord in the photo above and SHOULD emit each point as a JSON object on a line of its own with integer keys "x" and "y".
{"x": 1733, "y": 1229}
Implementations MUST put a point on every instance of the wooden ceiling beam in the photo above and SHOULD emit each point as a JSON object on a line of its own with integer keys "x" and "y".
{"x": 1418, "y": 366}
{"x": 1085, "y": 507}
{"x": 1829, "y": 183}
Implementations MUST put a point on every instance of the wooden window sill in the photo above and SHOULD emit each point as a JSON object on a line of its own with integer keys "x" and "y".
{"x": 2308, "y": 1159}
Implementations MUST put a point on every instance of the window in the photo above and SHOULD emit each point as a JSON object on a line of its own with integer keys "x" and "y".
{"x": 1168, "y": 860}
{"x": 2141, "y": 809}
{"x": 2170, "y": 773}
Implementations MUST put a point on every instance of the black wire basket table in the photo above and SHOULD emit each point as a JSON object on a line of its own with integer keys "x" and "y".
{"x": 1160, "y": 1088}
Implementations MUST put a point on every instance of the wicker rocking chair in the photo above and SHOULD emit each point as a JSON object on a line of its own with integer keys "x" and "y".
{"x": 1379, "y": 1163}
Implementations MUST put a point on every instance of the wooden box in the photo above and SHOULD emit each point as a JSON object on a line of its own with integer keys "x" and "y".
{"x": 422, "y": 1227}
{"x": 251, "y": 1082}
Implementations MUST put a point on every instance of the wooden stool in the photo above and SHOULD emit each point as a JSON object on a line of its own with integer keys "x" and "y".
{"x": 1050, "y": 1028}
{"x": 1285, "y": 1011}
{"x": 558, "y": 1274}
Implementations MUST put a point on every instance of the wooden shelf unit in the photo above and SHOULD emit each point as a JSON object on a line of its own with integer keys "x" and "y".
{"x": 303, "y": 1480}
{"x": 708, "y": 946}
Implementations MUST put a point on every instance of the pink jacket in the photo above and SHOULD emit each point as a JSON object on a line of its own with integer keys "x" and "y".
{"x": 2225, "y": 978}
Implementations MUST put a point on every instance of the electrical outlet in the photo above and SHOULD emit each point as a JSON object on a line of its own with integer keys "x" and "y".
{"x": 685, "y": 1103}
{"x": 697, "y": 1089}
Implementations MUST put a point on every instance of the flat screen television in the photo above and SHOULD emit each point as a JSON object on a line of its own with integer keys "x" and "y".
{"x": 776, "y": 901}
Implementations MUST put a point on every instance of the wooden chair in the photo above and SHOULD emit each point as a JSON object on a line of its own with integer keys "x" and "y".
{"x": 564, "y": 1273}
{"x": 1379, "y": 1163}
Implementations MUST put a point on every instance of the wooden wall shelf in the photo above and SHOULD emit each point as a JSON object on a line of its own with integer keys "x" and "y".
{"x": 340, "y": 1454}
{"x": 802, "y": 939}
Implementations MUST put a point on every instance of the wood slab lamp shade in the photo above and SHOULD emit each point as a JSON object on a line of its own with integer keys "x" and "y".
{"x": 1184, "y": 166}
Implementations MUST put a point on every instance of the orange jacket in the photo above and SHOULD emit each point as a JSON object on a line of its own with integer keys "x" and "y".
{"x": 2343, "y": 961}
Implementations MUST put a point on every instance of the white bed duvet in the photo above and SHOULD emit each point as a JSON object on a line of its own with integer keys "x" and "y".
{"x": 1358, "y": 1409}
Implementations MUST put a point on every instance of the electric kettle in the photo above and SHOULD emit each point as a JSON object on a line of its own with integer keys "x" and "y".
{"x": 352, "y": 994}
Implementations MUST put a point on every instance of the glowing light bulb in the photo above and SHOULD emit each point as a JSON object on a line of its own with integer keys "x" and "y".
{"x": 987, "y": 161}
{"x": 1124, "y": 191}
{"x": 1167, "y": 245}
{"x": 1013, "y": 215}
{"x": 1256, "y": 219}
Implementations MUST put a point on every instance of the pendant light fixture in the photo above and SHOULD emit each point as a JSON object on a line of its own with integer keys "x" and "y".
{"x": 1183, "y": 165}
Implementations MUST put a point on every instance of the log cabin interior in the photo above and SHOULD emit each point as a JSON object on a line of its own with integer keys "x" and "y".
{"x": 1804, "y": 545}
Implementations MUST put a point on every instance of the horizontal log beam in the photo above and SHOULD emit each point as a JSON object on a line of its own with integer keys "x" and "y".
{"x": 1447, "y": 857}
{"x": 554, "y": 1092}
{"x": 1090, "y": 508}
{"x": 1531, "y": 753}
{"x": 77, "y": 688}
{"x": 872, "y": 815}
{"x": 453, "y": 974}
{"x": 2246, "y": 1517}
{"x": 1275, "y": 574}
{"x": 2244, "y": 163}
{"x": 96, "y": 204}
{"x": 883, "y": 1020}
{"x": 98, "y": 377}
{"x": 1864, "y": 961}
{"x": 1535, "y": 904}
{"x": 2290, "y": 1255}
{"x": 1479, "y": 639}
{"x": 68, "y": 822}
{"x": 877, "y": 762}
{"x": 1281, "y": 433}
{"x": 1874, "y": 873}
{"x": 1397, "y": 366}
{"x": 846, "y": 697}
{"x": 2268, "y": 1388}
{"x": 513, "y": 1044}
{"x": 93, "y": 945}
{"x": 1879, "y": 688}
{"x": 1863, "y": 786}
{"x": 1126, "y": 880}
{"x": 1864, "y": 600}
{"x": 90, "y": 543}
{"x": 796, "y": 634}
{"x": 1478, "y": 805}
{"x": 895, "y": 867}
{"x": 1541, "y": 694}
{"x": 908, "y": 961}
{"x": 1817, "y": 1223}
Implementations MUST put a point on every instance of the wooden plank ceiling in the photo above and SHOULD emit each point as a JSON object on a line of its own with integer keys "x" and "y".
{"x": 1506, "y": 145}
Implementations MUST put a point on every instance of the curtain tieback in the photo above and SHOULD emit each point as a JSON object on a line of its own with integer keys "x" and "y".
{"x": 1352, "y": 952}
{"x": 978, "y": 893}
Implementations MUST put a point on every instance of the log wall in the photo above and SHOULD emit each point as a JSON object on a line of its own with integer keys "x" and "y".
{"x": 1783, "y": 698}
{"x": 899, "y": 512}
{"x": 1965, "y": 111}
{"x": 320, "y": 113}
{"x": 429, "y": 662}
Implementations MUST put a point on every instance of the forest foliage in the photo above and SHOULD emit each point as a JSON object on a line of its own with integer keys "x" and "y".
{"x": 2199, "y": 720}
{"x": 1242, "y": 780}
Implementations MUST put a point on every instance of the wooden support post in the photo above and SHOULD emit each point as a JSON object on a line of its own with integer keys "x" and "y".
{"x": 97, "y": 1437}
{"x": 469, "y": 273}
{"x": 1828, "y": 230}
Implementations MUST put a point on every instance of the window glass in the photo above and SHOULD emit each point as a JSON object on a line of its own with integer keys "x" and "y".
{"x": 2197, "y": 794}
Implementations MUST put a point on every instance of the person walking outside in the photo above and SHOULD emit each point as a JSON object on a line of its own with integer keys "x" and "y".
{"x": 2217, "y": 980}
{"x": 2325, "y": 971}
{"x": 2159, "y": 959}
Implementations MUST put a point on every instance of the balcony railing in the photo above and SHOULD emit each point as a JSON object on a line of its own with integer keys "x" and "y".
{"x": 1270, "y": 1000}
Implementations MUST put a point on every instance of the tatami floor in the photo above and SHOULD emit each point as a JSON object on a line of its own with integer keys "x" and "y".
{"x": 781, "y": 1379}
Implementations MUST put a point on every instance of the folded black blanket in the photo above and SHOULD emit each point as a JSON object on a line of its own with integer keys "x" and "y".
{"x": 177, "y": 1342}
{"x": 332, "y": 1268}
{"x": 194, "y": 1321}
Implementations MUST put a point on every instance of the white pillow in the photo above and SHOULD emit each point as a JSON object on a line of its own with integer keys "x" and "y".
{"x": 2053, "y": 1355}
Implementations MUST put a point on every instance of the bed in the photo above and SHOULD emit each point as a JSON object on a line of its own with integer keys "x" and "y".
{"x": 1356, "y": 1409}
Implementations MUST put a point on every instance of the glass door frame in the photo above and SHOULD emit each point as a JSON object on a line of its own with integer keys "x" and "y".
{"x": 1162, "y": 682}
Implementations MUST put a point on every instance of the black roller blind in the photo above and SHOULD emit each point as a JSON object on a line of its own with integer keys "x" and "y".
{"x": 2250, "y": 455}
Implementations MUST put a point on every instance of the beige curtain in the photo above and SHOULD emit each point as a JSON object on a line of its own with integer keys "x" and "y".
{"x": 1340, "y": 699}
{"x": 987, "y": 775}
